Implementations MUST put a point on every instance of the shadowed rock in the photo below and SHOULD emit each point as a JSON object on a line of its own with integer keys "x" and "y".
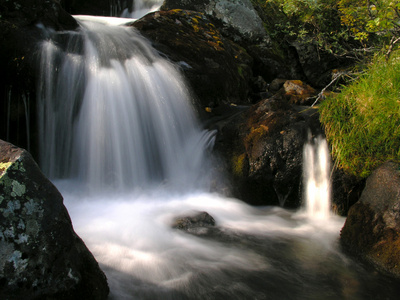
{"x": 41, "y": 257}
{"x": 372, "y": 228}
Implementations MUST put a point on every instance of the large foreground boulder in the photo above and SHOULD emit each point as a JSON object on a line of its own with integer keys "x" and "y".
{"x": 372, "y": 228}
{"x": 41, "y": 257}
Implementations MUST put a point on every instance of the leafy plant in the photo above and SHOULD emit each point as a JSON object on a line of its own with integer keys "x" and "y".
{"x": 372, "y": 20}
{"x": 313, "y": 21}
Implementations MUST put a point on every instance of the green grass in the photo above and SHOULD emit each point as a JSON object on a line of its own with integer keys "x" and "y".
{"x": 362, "y": 122}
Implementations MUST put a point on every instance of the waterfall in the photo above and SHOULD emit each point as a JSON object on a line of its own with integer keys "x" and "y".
{"x": 117, "y": 117}
{"x": 140, "y": 8}
{"x": 114, "y": 114}
{"x": 316, "y": 174}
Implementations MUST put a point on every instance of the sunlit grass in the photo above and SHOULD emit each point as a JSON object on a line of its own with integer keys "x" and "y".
{"x": 362, "y": 123}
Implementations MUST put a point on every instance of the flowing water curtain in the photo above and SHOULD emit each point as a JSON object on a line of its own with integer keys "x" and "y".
{"x": 316, "y": 174}
{"x": 133, "y": 8}
{"x": 114, "y": 113}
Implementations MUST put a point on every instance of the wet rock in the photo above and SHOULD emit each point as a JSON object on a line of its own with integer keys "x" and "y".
{"x": 346, "y": 190}
{"x": 372, "y": 228}
{"x": 196, "y": 223}
{"x": 263, "y": 151}
{"x": 218, "y": 70}
{"x": 237, "y": 18}
{"x": 41, "y": 257}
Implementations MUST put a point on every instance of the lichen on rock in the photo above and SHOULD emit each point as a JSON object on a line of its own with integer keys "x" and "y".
{"x": 40, "y": 254}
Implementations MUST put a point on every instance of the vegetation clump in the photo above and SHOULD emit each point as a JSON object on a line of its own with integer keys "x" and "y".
{"x": 362, "y": 122}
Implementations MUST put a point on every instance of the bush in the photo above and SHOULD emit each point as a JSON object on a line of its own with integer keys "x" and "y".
{"x": 362, "y": 123}
{"x": 311, "y": 21}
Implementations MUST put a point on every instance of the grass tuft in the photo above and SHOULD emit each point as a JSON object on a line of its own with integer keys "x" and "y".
{"x": 362, "y": 123}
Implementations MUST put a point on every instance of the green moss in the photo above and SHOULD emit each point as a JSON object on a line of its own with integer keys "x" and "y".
{"x": 240, "y": 71}
{"x": 238, "y": 164}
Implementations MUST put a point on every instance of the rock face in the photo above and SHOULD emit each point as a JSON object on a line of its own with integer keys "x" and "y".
{"x": 217, "y": 69}
{"x": 238, "y": 18}
{"x": 317, "y": 65}
{"x": 372, "y": 228}
{"x": 41, "y": 257}
{"x": 263, "y": 148}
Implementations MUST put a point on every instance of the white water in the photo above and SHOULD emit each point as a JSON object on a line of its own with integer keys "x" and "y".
{"x": 117, "y": 125}
{"x": 140, "y": 8}
{"x": 115, "y": 114}
{"x": 317, "y": 179}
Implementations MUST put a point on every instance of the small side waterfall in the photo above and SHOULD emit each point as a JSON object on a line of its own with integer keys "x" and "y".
{"x": 316, "y": 174}
{"x": 114, "y": 113}
{"x": 140, "y": 7}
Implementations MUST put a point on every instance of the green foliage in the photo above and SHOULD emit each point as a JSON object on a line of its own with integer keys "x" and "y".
{"x": 365, "y": 17}
{"x": 313, "y": 21}
{"x": 362, "y": 123}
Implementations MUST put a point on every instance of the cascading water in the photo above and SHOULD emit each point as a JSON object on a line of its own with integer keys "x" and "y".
{"x": 120, "y": 116}
{"x": 316, "y": 173}
{"x": 140, "y": 8}
{"x": 117, "y": 117}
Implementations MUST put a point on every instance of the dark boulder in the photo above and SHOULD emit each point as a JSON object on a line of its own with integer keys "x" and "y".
{"x": 236, "y": 19}
{"x": 218, "y": 70}
{"x": 263, "y": 151}
{"x": 346, "y": 190}
{"x": 372, "y": 228}
{"x": 316, "y": 64}
{"x": 240, "y": 22}
{"x": 41, "y": 257}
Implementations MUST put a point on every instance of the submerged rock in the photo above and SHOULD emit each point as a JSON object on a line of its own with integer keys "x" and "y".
{"x": 197, "y": 223}
{"x": 41, "y": 257}
{"x": 372, "y": 228}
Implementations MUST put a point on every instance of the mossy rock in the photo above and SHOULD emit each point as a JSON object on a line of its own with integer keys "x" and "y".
{"x": 41, "y": 257}
{"x": 263, "y": 149}
{"x": 218, "y": 70}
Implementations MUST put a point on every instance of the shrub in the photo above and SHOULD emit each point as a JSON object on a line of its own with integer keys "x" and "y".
{"x": 313, "y": 21}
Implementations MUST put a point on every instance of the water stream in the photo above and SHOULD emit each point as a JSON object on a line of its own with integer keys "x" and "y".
{"x": 121, "y": 141}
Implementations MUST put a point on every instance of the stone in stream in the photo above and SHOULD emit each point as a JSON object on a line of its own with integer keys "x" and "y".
{"x": 197, "y": 223}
